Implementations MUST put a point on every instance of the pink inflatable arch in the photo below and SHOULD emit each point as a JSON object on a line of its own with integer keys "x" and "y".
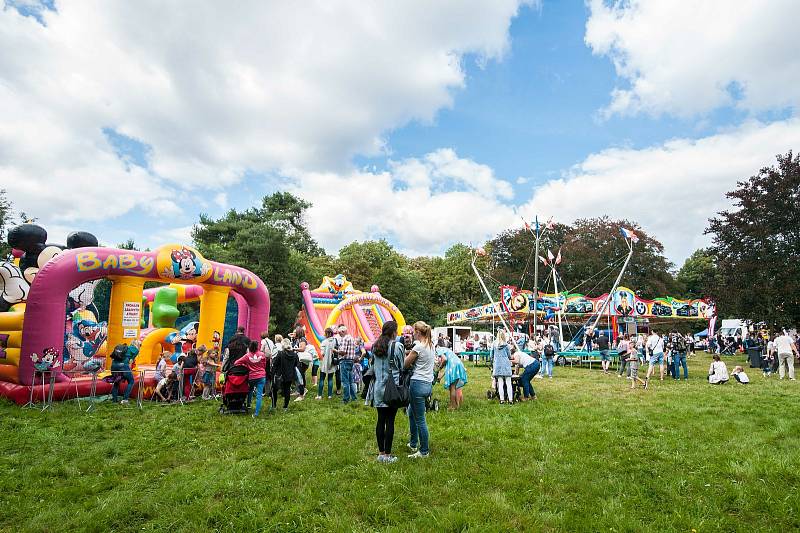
{"x": 44, "y": 314}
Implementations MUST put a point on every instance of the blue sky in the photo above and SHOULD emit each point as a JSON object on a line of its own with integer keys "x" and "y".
{"x": 557, "y": 108}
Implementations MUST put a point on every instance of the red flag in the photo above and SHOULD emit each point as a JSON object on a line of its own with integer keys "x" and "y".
{"x": 550, "y": 224}
{"x": 558, "y": 257}
{"x": 550, "y": 255}
{"x": 480, "y": 251}
{"x": 543, "y": 260}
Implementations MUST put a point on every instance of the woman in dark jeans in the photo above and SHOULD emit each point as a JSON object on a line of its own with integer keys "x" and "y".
{"x": 388, "y": 356}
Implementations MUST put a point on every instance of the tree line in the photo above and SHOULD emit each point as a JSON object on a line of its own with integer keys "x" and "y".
{"x": 750, "y": 269}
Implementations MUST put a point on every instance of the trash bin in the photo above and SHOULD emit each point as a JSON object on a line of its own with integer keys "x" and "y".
{"x": 754, "y": 355}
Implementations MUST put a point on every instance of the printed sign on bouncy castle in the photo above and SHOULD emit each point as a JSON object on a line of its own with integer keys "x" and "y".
{"x": 138, "y": 265}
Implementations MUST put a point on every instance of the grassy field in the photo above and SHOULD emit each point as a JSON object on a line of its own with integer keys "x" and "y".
{"x": 589, "y": 455}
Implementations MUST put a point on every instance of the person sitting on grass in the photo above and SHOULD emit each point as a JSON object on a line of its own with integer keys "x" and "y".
{"x": 531, "y": 368}
{"x": 256, "y": 364}
{"x": 455, "y": 376}
{"x": 740, "y": 376}
{"x": 718, "y": 371}
{"x": 165, "y": 386}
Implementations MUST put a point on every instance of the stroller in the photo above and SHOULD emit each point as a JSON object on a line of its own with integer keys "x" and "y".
{"x": 234, "y": 394}
{"x": 728, "y": 347}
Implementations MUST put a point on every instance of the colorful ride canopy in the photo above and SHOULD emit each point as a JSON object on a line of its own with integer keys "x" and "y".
{"x": 623, "y": 303}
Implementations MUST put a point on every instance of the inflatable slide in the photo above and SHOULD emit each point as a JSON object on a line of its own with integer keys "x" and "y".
{"x": 335, "y": 302}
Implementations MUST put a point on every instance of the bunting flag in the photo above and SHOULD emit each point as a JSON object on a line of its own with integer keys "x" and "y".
{"x": 558, "y": 257}
{"x": 543, "y": 260}
{"x": 629, "y": 234}
{"x": 527, "y": 226}
{"x": 550, "y": 224}
{"x": 480, "y": 251}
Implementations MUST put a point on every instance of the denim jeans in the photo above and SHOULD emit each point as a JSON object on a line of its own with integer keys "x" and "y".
{"x": 322, "y": 377}
{"x": 346, "y": 369}
{"x": 548, "y": 367}
{"x": 623, "y": 364}
{"x": 678, "y": 360}
{"x": 530, "y": 371}
{"x": 417, "y": 425}
{"x": 127, "y": 375}
{"x": 256, "y": 385}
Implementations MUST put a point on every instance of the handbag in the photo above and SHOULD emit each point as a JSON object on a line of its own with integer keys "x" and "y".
{"x": 394, "y": 395}
{"x": 335, "y": 354}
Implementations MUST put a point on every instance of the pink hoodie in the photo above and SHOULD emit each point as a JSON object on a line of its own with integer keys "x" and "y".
{"x": 256, "y": 363}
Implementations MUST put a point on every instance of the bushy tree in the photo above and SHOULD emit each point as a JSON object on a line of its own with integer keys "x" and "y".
{"x": 757, "y": 246}
{"x": 377, "y": 262}
{"x": 698, "y": 276}
{"x": 271, "y": 241}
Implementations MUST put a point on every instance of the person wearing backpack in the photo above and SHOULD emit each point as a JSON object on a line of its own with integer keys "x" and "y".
{"x": 678, "y": 346}
{"x": 121, "y": 359}
{"x": 387, "y": 365}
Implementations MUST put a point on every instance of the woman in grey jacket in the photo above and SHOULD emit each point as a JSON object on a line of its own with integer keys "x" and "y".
{"x": 388, "y": 360}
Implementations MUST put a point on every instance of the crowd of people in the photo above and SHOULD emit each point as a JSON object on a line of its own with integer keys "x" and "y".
{"x": 402, "y": 367}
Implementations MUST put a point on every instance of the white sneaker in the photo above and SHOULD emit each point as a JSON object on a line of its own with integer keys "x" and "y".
{"x": 418, "y": 455}
{"x": 318, "y": 398}
{"x": 410, "y": 447}
{"x": 299, "y": 398}
{"x": 123, "y": 402}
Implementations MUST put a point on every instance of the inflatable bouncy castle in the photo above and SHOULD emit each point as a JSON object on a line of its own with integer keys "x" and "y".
{"x": 49, "y": 324}
{"x": 337, "y": 302}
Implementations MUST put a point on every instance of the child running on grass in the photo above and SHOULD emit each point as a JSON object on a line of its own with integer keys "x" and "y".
{"x": 633, "y": 364}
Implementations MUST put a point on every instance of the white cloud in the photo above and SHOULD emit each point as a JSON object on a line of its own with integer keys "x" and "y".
{"x": 221, "y": 199}
{"x": 671, "y": 189}
{"x": 219, "y": 89}
{"x": 683, "y": 57}
{"x": 408, "y": 203}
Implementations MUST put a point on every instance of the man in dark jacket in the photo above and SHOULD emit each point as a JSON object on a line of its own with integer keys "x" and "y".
{"x": 237, "y": 347}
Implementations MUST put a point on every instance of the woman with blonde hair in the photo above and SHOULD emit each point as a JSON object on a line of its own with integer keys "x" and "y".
{"x": 501, "y": 367}
{"x": 420, "y": 360}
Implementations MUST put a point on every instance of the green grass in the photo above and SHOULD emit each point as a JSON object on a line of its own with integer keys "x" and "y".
{"x": 589, "y": 455}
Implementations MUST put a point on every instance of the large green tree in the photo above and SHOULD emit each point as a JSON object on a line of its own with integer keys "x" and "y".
{"x": 377, "y": 262}
{"x": 698, "y": 276}
{"x": 450, "y": 282}
{"x": 272, "y": 241}
{"x": 757, "y": 246}
{"x": 592, "y": 253}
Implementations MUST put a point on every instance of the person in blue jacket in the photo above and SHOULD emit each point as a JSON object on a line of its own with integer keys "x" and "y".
{"x": 121, "y": 359}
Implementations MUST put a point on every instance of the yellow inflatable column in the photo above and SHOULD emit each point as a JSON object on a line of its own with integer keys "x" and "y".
{"x": 125, "y": 311}
{"x": 213, "y": 305}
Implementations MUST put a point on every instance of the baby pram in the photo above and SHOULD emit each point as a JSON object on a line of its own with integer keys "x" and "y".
{"x": 728, "y": 346}
{"x": 234, "y": 393}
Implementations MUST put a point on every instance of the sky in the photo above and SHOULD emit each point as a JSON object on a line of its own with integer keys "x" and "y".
{"x": 422, "y": 123}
